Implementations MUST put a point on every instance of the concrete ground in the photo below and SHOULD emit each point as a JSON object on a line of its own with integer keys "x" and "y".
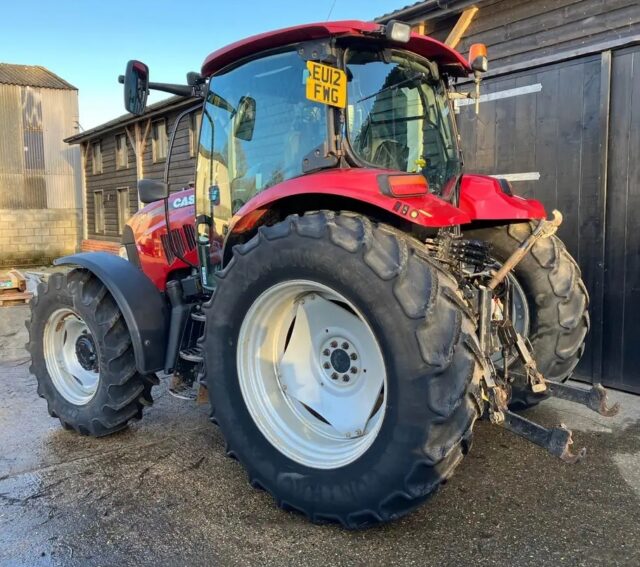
{"x": 163, "y": 493}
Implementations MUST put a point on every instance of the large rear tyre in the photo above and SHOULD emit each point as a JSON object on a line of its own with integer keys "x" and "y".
{"x": 556, "y": 303}
{"x": 344, "y": 368}
{"x": 82, "y": 356}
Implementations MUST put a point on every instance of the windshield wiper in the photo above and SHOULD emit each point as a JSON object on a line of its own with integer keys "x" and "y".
{"x": 408, "y": 80}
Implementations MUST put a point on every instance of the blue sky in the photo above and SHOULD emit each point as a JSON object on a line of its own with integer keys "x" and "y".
{"x": 89, "y": 43}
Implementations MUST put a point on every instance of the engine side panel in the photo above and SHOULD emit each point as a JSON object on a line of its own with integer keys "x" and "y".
{"x": 151, "y": 238}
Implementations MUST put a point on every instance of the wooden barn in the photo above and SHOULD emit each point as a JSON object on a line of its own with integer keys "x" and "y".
{"x": 560, "y": 118}
{"x": 118, "y": 153}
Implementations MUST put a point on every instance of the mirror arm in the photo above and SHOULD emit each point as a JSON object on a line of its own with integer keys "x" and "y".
{"x": 180, "y": 90}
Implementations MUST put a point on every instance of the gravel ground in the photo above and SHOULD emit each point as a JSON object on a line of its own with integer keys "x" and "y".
{"x": 163, "y": 493}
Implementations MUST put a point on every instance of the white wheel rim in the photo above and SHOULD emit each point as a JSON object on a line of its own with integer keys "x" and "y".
{"x": 65, "y": 342}
{"x": 312, "y": 374}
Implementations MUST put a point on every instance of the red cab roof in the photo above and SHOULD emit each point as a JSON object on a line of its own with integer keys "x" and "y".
{"x": 419, "y": 44}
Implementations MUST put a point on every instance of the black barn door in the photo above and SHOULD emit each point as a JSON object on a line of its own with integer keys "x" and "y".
{"x": 621, "y": 324}
{"x": 542, "y": 127}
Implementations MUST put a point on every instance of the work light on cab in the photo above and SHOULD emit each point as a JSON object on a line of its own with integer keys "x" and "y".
{"x": 397, "y": 31}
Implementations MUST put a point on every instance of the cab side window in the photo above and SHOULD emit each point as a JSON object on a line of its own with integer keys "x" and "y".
{"x": 257, "y": 128}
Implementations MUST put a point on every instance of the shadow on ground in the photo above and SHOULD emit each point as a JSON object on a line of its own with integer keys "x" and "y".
{"x": 162, "y": 492}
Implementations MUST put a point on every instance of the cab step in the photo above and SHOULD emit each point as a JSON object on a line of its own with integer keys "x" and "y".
{"x": 198, "y": 316}
{"x": 191, "y": 355}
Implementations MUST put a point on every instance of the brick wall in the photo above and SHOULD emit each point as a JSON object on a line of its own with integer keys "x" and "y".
{"x": 31, "y": 237}
{"x": 100, "y": 246}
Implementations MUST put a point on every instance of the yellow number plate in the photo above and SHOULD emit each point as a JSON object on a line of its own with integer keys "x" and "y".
{"x": 327, "y": 85}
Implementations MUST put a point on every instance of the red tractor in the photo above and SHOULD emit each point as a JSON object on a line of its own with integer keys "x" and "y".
{"x": 351, "y": 301}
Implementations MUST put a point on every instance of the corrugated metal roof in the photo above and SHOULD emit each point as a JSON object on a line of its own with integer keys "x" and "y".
{"x": 32, "y": 76}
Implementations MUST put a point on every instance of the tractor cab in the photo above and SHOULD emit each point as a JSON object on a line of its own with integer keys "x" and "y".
{"x": 359, "y": 98}
{"x": 280, "y": 108}
{"x": 269, "y": 120}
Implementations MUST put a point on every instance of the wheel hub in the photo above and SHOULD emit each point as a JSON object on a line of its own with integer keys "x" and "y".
{"x": 86, "y": 352}
{"x": 71, "y": 356}
{"x": 312, "y": 374}
{"x": 340, "y": 361}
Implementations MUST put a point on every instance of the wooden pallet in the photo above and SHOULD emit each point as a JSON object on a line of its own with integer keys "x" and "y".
{"x": 8, "y": 298}
{"x": 13, "y": 280}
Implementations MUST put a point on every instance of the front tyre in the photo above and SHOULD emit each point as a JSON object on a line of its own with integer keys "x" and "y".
{"x": 343, "y": 366}
{"x": 82, "y": 356}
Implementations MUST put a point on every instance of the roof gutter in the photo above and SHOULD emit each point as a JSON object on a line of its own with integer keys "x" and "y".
{"x": 125, "y": 120}
{"x": 426, "y": 10}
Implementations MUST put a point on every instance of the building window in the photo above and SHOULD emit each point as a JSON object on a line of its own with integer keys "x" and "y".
{"x": 122, "y": 152}
{"x": 195, "y": 119}
{"x": 32, "y": 129}
{"x": 123, "y": 208}
{"x": 98, "y": 211}
{"x": 159, "y": 141}
{"x": 96, "y": 158}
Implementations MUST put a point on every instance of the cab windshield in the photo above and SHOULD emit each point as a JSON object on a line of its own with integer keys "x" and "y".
{"x": 399, "y": 117}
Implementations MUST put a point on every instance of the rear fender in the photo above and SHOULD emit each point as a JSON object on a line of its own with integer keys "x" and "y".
{"x": 487, "y": 198}
{"x": 143, "y": 307}
{"x": 357, "y": 184}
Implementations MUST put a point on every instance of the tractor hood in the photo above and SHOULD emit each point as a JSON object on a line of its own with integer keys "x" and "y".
{"x": 151, "y": 237}
{"x": 151, "y": 217}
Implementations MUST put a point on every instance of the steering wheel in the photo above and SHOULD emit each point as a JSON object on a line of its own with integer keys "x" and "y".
{"x": 391, "y": 154}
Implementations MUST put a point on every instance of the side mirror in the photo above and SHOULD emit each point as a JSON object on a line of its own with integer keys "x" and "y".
{"x": 478, "y": 58}
{"x": 150, "y": 190}
{"x": 136, "y": 87}
{"x": 245, "y": 118}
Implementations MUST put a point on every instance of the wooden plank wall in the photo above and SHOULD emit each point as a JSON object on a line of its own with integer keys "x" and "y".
{"x": 622, "y": 283}
{"x": 561, "y": 132}
{"x": 516, "y": 31}
{"x": 182, "y": 163}
{"x": 108, "y": 182}
{"x": 111, "y": 179}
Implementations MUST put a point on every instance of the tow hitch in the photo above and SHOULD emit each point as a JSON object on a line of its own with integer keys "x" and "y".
{"x": 594, "y": 398}
{"x": 557, "y": 440}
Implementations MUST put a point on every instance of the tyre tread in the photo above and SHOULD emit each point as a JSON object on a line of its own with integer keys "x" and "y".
{"x": 127, "y": 391}
{"x": 421, "y": 287}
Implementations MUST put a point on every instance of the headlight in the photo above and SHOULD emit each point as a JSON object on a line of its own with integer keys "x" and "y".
{"x": 122, "y": 252}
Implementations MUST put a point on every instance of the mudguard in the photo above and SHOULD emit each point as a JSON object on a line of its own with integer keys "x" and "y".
{"x": 487, "y": 198}
{"x": 144, "y": 309}
{"x": 358, "y": 184}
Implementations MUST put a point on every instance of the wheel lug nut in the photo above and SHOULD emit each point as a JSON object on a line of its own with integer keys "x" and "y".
{"x": 354, "y": 356}
{"x": 334, "y": 344}
{"x": 326, "y": 352}
{"x": 345, "y": 345}
{"x": 345, "y": 378}
{"x": 353, "y": 370}
{"x": 326, "y": 365}
{"x": 334, "y": 376}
